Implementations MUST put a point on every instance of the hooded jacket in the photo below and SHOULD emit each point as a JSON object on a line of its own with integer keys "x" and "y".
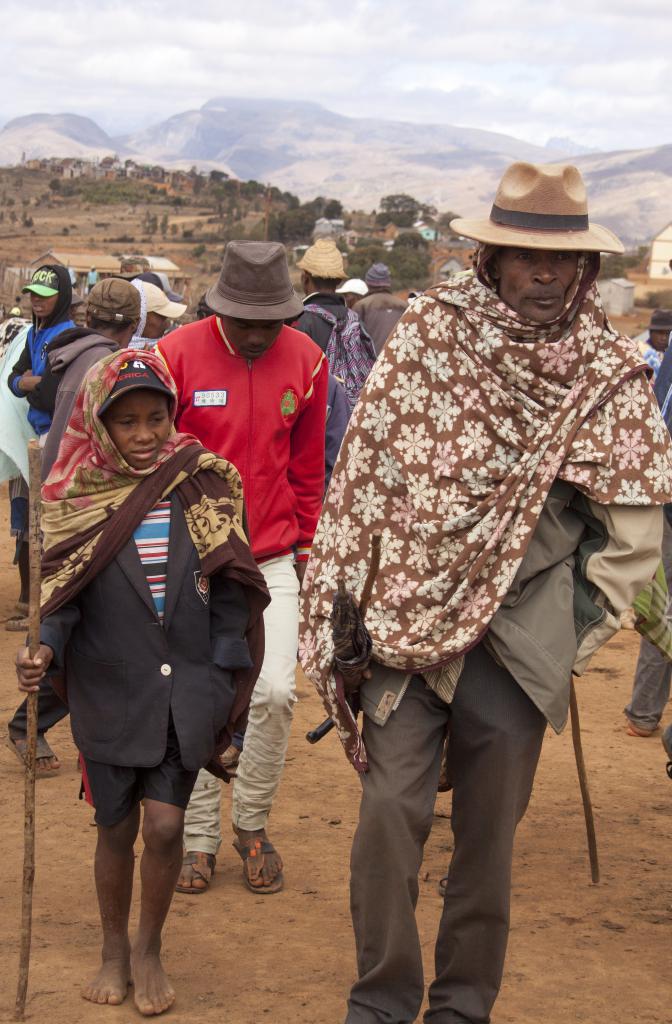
{"x": 34, "y": 355}
{"x": 69, "y": 357}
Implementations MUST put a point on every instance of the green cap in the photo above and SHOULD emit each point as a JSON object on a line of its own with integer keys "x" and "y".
{"x": 43, "y": 282}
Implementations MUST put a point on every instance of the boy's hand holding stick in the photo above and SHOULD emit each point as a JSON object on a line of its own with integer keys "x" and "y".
{"x": 34, "y": 539}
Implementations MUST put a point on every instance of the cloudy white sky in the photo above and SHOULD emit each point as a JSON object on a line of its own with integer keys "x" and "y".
{"x": 596, "y": 71}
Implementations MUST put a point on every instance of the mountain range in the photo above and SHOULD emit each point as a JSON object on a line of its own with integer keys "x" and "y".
{"x": 309, "y": 150}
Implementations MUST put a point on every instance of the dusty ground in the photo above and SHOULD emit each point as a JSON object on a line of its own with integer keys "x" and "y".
{"x": 578, "y": 953}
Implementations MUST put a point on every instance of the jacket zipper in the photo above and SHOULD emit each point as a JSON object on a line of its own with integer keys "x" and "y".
{"x": 250, "y": 402}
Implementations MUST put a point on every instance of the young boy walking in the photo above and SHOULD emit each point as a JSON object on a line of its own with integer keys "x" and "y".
{"x": 152, "y": 628}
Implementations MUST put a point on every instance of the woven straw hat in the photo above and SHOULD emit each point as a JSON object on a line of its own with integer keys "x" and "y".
{"x": 323, "y": 259}
{"x": 540, "y": 206}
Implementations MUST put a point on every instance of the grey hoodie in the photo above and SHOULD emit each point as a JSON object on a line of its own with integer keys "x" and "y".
{"x": 78, "y": 350}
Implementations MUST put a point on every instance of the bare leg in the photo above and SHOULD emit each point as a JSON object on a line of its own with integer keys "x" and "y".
{"x": 159, "y": 870}
{"x": 114, "y": 884}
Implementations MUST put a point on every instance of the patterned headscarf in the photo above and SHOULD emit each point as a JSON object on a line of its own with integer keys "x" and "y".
{"x": 89, "y": 465}
{"x": 467, "y": 418}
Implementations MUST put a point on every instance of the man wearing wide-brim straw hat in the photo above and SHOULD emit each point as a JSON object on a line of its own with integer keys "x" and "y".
{"x": 255, "y": 391}
{"x": 508, "y": 447}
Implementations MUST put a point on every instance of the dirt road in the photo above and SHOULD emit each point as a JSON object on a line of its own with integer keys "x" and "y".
{"x": 578, "y": 953}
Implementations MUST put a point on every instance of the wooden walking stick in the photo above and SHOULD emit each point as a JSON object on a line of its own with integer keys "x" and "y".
{"x": 35, "y": 554}
{"x": 583, "y": 783}
{"x": 315, "y": 735}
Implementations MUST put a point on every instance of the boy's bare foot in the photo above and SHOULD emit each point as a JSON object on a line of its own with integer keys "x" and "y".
{"x": 111, "y": 983}
{"x": 153, "y": 992}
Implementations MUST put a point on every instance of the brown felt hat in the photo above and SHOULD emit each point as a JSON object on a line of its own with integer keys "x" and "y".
{"x": 254, "y": 283}
{"x": 540, "y": 206}
{"x": 115, "y": 301}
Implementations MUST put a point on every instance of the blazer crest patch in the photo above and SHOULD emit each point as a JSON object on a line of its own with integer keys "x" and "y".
{"x": 202, "y": 584}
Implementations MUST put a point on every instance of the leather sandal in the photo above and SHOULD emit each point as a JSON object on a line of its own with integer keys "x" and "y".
{"x": 252, "y": 855}
{"x": 198, "y": 868}
{"x": 47, "y": 764}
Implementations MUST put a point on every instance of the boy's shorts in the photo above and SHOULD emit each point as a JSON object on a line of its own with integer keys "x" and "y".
{"x": 116, "y": 789}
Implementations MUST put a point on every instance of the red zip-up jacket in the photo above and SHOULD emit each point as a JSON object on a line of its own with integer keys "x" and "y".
{"x": 266, "y": 416}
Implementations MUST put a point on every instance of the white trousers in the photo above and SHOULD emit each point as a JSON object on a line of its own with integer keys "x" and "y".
{"x": 270, "y": 719}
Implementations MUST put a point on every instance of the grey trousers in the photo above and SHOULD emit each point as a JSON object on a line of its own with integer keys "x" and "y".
{"x": 495, "y": 741}
{"x": 651, "y": 688}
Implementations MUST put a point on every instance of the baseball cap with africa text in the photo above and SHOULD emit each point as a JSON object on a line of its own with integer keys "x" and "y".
{"x": 134, "y": 375}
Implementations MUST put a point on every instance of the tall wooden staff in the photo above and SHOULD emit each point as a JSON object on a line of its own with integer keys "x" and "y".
{"x": 583, "y": 783}
{"x": 35, "y": 550}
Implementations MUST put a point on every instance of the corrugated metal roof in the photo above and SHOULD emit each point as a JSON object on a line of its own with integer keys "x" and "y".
{"x": 81, "y": 262}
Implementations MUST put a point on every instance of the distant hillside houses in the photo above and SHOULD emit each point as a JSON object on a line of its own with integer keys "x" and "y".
{"x": 328, "y": 227}
{"x": 660, "y": 262}
{"x": 111, "y": 168}
{"x": 127, "y": 265}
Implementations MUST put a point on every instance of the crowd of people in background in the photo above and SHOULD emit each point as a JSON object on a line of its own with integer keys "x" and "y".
{"x": 209, "y": 486}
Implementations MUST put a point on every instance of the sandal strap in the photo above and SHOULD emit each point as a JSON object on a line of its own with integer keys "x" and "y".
{"x": 252, "y": 850}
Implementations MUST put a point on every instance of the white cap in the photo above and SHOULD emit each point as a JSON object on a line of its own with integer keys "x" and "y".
{"x": 354, "y": 286}
{"x": 158, "y": 302}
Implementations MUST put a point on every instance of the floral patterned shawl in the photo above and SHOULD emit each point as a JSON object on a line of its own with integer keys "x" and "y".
{"x": 467, "y": 418}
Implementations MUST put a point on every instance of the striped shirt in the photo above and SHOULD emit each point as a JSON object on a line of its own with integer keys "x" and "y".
{"x": 151, "y": 540}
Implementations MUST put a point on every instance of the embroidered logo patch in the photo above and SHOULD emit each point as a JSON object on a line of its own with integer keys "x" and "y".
{"x": 218, "y": 397}
{"x": 289, "y": 403}
{"x": 202, "y": 584}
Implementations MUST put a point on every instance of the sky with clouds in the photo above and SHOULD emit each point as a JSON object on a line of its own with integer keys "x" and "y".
{"x": 596, "y": 71}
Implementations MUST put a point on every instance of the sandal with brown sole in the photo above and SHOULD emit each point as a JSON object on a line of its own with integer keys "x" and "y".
{"x": 253, "y": 855}
{"x": 17, "y": 624}
{"x": 643, "y": 734}
{"x": 19, "y": 746}
{"x": 201, "y": 866}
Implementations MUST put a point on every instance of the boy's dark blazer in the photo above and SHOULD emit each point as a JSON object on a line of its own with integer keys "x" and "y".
{"x": 125, "y": 672}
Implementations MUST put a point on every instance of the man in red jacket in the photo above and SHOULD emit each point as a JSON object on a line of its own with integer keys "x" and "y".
{"x": 255, "y": 391}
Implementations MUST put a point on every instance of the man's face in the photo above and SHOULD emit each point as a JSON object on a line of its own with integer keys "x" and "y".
{"x": 43, "y": 305}
{"x": 78, "y": 314}
{"x": 534, "y": 282}
{"x": 156, "y": 326}
{"x": 251, "y": 338}
{"x": 659, "y": 340}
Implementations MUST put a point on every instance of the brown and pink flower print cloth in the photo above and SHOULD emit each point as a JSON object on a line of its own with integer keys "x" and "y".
{"x": 468, "y": 416}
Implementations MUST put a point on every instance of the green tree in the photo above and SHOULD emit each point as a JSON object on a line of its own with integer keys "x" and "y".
{"x": 400, "y": 209}
{"x": 333, "y": 210}
{"x": 444, "y": 220}
{"x": 411, "y": 240}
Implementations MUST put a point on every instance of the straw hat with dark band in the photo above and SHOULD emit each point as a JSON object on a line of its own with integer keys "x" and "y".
{"x": 540, "y": 207}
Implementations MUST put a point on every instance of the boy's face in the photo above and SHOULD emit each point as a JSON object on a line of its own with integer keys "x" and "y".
{"x": 139, "y": 425}
{"x": 43, "y": 305}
